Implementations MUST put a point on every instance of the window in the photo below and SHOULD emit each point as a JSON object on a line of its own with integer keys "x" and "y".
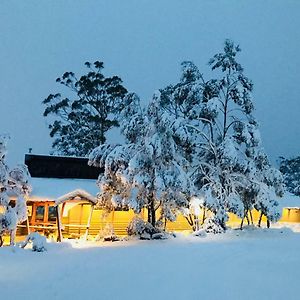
{"x": 29, "y": 210}
{"x": 51, "y": 213}
{"x": 40, "y": 211}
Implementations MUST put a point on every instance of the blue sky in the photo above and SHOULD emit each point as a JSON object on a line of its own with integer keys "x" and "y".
{"x": 144, "y": 43}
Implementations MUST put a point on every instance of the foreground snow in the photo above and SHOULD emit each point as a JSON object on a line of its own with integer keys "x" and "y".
{"x": 252, "y": 264}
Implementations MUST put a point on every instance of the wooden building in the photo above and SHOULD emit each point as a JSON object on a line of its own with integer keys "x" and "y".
{"x": 58, "y": 185}
{"x": 63, "y": 200}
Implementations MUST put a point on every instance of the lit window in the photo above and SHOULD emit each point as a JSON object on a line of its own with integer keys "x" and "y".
{"x": 40, "y": 211}
{"x": 52, "y": 214}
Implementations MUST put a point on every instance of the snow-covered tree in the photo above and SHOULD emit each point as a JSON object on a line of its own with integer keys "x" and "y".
{"x": 81, "y": 121}
{"x": 290, "y": 168}
{"x": 221, "y": 140}
{"x": 148, "y": 170}
{"x": 197, "y": 140}
{"x": 13, "y": 183}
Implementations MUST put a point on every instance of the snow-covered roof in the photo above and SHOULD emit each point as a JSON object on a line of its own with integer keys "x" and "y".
{"x": 81, "y": 194}
{"x": 289, "y": 200}
{"x": 45, "y": 189}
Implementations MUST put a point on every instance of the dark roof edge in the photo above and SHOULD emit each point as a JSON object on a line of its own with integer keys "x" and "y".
{"x": 50, "y": 166}
{"x": 53, "y": 157}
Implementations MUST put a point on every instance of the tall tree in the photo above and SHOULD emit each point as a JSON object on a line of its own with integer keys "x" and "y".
{"x": 222, "y": 139}
{"x": 82, "y": 120}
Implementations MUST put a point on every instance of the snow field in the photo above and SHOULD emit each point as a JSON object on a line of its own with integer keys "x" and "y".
{"x": 252, "y": 264}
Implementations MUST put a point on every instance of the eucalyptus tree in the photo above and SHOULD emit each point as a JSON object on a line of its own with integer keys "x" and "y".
{"x": 80, "y": 121}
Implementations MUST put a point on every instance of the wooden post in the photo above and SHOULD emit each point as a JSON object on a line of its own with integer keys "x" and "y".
{"x": 62, "y": 214}
{"x": 33, "y": 220}
{"x": 80, "y": 219}
{"x": 45, "y": 221}
{"x": 89, "y": 222}
{"x": 27, "y": 226}
{"x": 46, "y": 213}
{"x": 58, "y": 221}
{"x": 63, "y": 209}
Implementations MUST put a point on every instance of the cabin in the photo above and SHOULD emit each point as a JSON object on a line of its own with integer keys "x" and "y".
{"x": 64, "y": 188}
{"x": 64, "y": 197}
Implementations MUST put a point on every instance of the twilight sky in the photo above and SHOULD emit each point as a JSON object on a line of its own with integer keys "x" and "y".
{"x": 144, "y": 42}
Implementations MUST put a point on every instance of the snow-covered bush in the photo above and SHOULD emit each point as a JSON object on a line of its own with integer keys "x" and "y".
{"x": 107, "y": 234}
{"x": 37, "y": 241}
{"x": 144, "y": 230}
{"x": 212, "y": 225}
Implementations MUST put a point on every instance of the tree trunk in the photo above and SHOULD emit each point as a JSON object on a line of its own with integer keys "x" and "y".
{"x": 251, "y": 217}
{"x": 203, "y": 218}
{"x": 151, "y": 212}
{"x": 259, "y": 220}
{"x": 225, "y": 113}
{"x": 242, "y": 223}
{"x": 12, "y": 237}
{"x": 197, "y": 226}
{"x": 189, "y": 219}
{"x": 247, "y": 218}
{"x": 153, "y": 218}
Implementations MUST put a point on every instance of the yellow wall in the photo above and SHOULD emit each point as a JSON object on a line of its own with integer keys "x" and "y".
{"x": 79, "y": 214}
{"x": 179, "y": 225}
{"x": 291, "y": 215}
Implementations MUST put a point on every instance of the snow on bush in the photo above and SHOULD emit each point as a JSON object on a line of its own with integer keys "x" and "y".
{"x": 107, "y": 234}
{"x": 212, "y": 225}
{"x": 37, "y": 241}
{"x": 144, "y": 230}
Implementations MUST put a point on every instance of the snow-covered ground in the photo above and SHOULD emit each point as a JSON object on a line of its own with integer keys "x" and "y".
{"x": 252, "y": 264}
